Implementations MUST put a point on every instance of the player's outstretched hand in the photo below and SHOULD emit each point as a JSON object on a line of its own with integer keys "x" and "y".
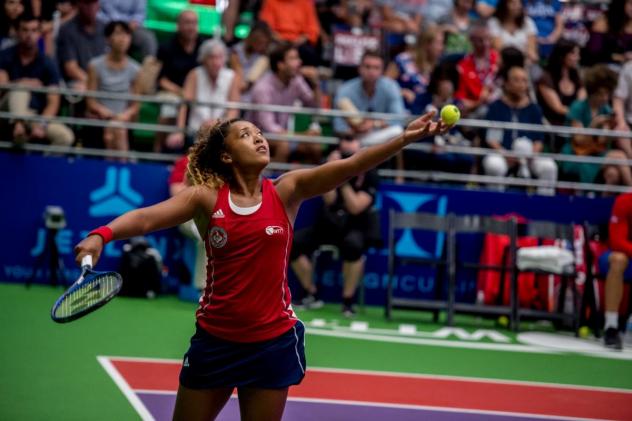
{"x": 92, "y": 245}
{"x": 424, "y": 127}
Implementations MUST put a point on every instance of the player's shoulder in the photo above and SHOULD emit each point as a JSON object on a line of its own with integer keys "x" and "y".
{"x": 202, "y": 195}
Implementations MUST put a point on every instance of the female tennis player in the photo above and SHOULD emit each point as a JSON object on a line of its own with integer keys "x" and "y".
{"x": 247, "y": 336}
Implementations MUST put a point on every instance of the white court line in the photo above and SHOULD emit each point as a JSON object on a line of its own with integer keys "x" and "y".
{"x": 532, "y": 349}
{"x": 403, "y": 406}
{"x": 417, "y": 376}
{"x": 137, "y": 404}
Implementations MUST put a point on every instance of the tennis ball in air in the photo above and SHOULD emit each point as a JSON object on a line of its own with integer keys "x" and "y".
{"x": 450, "y": 114}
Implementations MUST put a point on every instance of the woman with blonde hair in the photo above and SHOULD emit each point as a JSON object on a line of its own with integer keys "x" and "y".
{"x": 412, "y": 69}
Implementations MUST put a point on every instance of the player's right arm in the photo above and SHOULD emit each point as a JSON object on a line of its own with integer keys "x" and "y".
{"x": 191, "y": 202}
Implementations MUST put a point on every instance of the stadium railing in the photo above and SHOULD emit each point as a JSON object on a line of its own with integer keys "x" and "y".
{"x": 328, "y": 114}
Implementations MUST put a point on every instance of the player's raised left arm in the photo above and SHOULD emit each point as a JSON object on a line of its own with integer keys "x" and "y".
{"x": 296, "y": 186}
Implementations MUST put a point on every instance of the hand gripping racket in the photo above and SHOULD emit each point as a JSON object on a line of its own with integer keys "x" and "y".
{"x": 91, "y": 291}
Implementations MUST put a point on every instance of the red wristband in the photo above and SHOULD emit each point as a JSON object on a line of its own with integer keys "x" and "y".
{"x": 104, "y": 232}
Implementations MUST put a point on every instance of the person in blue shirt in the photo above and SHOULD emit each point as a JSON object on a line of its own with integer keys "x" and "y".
{"x": 370, "y": 92}
{"x": 547, "y": 15}
{"x": 24, "y": 64}
{"x": 516, "y": 106}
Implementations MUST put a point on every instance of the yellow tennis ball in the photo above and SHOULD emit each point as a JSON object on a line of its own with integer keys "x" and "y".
{"x": 503, "y": 321}
{"x": 584, "y": 332}
{"x": 450, "y": 114}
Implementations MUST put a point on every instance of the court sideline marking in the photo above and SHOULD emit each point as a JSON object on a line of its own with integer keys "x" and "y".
{"x": 168, "y": 388}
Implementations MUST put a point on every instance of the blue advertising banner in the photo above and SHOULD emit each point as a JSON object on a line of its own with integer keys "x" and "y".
{"x": 93, "y": 192}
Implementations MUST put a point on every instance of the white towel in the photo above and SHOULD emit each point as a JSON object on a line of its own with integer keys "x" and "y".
{"x": 547, "y": 258}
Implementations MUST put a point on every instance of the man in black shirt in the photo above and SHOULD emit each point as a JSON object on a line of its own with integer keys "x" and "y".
{"x": 25, "y": 65}
{"x": 346, "y": 221}
{"x": 178, "y": 56}
{"x": 80, "y": 40}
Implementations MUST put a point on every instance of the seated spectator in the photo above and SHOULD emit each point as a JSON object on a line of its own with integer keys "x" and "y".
{"x": 178, "y": 56}
{"x": 547, "y": 16}
{"x": 9, "y": 14}
{"x": 144, "y": 43}
{"x": 510, "y": 27}
{"x": 114, "y": 72}
{"x": 560, "y": 83}
{"x": 211, "y": 81}
{"x": 509, "y": 57}
{"x": 285, "y": 84}
{"x": 595, "y": 112}
{"x": 622, "y": 106}
{"x": 443, "y": 81}
{"x": 25, "y": 65}
{"x": 477, "y": 72}
{"x": 249, "y": 57}
{"x": 133, "y": 12}
{"x": 457, "y": 26}
{"x": 80, "y": 40}
{"x": 295, "y": 22}
{"x": 616, "y": 263}
{"x": 345, "y": 221}
{"x": 516, "y": 106}
{"x": 412, "y": 69}
{"x": 370, "y": 92}
{"x": 611, "y": 35}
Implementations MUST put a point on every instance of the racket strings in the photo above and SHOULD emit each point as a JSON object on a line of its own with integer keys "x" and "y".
{"x": 89, "y": 294}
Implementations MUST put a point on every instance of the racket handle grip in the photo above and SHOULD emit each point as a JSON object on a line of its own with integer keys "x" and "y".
{"x": 86, "y": 261}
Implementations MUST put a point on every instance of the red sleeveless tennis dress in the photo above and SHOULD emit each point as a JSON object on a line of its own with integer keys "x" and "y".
{"x": 247, "y": 298}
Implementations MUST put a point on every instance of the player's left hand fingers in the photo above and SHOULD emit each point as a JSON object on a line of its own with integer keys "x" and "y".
{"x": 421, "y": 121}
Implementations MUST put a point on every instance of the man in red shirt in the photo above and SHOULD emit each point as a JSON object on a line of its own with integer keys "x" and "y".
{"x": 617, "y": 263}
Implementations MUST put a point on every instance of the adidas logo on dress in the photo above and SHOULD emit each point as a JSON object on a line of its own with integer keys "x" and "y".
{"x": 218, "y": 214}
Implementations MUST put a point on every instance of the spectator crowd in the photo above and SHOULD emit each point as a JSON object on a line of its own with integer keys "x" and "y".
{"x": 528, "y": 61}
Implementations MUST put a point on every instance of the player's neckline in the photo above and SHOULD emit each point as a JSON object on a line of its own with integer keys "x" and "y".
{"x": 241, "y": 210}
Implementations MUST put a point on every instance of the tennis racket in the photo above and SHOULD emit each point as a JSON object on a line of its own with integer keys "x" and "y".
{"x": 91, "y": 291}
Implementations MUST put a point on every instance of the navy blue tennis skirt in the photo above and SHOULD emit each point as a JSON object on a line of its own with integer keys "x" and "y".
{"x": 212, "y": 362}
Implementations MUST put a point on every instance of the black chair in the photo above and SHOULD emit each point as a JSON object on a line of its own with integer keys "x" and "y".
{"x": 565, "y": 232}
{"x": 447, "y": 263}
{"x": 475, "y": 224}
{"x": 422, "y": 222}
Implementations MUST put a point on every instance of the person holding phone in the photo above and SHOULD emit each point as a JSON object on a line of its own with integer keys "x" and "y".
{"x": 595, "y": 112}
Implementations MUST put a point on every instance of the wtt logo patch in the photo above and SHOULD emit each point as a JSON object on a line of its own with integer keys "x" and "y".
{"x": 274, "y": 230}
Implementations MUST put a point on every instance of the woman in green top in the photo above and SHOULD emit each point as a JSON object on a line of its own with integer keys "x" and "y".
{"x": 595, "y": 112}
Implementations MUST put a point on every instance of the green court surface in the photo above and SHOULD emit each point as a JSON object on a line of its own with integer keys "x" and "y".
{"x": 51, "y": 372}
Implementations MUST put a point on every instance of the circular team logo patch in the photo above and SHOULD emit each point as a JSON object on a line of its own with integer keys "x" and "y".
{"x": 218, "y": 237}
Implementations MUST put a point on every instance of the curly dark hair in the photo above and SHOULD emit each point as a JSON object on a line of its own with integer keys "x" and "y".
{"x": 205, "y": 166}
{"x": 598, "y": 77}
